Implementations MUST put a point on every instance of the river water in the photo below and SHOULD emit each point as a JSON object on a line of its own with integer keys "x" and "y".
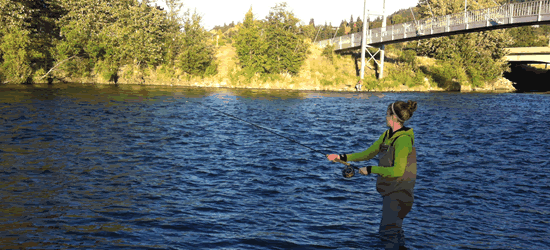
{"x": 132, "y": 167}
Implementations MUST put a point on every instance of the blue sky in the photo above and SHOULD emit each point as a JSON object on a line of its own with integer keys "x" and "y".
{"x": 218, "y": 12}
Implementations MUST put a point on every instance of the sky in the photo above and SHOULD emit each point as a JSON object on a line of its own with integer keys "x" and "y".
{"x": 218, "y": 12}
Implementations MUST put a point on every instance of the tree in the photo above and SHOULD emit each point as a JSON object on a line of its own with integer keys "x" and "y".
{"x": 276, "y": 45}
{"x": 529, "y": 36}
{"x": 86, "y": 37}
{"x": 197, "y": 55}
{"x": 342, "y": 28}
{"x": 397, "y": 19}
{"x": 358, "y": 25}
{"x": 27, "y": 34}
{"x": 16, "y": 56}
{"x": 286, "y": 50}
{"x": 478, "y": 54}
{"x": 309, "y": 31}
{"x": 97, "y": 33}
{"x": 251, "y": 49}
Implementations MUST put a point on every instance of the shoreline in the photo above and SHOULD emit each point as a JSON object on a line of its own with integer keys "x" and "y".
{"x": 316, "y": 74}
{"x": 211, "y": 85}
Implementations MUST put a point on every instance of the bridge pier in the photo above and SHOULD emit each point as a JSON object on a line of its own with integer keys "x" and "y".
{"x": 381, "y": 72}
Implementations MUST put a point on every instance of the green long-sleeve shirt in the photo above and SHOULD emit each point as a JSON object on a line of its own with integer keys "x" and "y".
{"x": 403, "y": 146}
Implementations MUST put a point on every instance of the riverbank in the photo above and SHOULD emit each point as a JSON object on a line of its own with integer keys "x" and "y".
{"x": 319, "y": 73}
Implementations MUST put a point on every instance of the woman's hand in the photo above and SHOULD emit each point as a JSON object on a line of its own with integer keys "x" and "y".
{"x": 363, "y": 171}
{"x": 333, "y": 157}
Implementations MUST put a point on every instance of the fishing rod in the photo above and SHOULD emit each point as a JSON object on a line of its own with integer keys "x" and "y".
{"x": 347, "y": 172}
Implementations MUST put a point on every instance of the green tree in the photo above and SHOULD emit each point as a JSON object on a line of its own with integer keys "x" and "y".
{"x": 478, "y": 54}
{"x": 286, "y": 50}
{"x": 529, "y": 36}
{"x": 251, "y": 46}
{"x": 276, "y": 45}
{"x": 27, "y": 33}
{"x": 16, "y": 56}
{"x": 342, "y": 28}
{"x": 107, "y": 34}
{"x": 309, "y": 31}
{"x": 197, "y": 55}
{"x": 358, "y": 25}
{"x": 397, "y": 19}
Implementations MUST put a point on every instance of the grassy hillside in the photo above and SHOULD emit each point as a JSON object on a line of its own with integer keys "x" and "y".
{"x": 403, "y": 71}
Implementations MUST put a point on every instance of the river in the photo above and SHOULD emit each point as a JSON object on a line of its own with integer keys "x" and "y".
{"x": 143, "y": 167}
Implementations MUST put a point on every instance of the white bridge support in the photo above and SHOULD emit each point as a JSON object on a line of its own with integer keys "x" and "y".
{"x": 364, "y": 44}
{"x": 383, "y": 47}
{"x": 363, "y": 40}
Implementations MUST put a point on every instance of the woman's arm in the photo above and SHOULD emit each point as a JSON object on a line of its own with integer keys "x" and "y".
{"x": 403, "y": 146}
{"x": 369, "y": 153}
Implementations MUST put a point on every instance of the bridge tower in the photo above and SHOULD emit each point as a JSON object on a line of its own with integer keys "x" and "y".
{"x": 364, "y": 41}
{"x": 383, "y": 47}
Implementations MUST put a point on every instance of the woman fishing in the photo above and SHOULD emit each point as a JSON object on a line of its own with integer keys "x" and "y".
{"x": 396, "y": 171}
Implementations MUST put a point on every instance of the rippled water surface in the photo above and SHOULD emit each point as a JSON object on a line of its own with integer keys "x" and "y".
{"x": 134, "y": 167}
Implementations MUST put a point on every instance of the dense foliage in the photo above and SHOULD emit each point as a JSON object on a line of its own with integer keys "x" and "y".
{"x": 27, "y": 30}
{"x": 474, "y": 57}
{"x": 97, "y": 37}
{"x": 530, "y": 36}
{"x": 271, "y": 46}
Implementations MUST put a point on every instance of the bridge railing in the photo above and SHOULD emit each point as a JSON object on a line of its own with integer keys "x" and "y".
{"x": 492, "y": 16}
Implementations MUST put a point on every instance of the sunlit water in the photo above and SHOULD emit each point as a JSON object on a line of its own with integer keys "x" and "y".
{"x": 147, "y": 167}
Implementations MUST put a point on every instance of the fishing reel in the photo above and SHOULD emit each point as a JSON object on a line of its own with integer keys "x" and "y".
{"x": 348, "y": 172}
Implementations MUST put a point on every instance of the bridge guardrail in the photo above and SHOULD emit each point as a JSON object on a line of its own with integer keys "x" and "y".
{"x": 498, "y": 15}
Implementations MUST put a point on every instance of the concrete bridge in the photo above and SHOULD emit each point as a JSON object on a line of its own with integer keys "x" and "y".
{"x": 529, "y": 55}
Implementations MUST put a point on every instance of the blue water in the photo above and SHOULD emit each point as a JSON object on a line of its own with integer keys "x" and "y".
{"x": 131, "y": 167}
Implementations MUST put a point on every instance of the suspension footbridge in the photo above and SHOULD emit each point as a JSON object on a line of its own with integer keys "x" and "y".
{"x": 499, "y": 17}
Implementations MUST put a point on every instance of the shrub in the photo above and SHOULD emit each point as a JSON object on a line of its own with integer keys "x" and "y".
{"x": 328, "y": 52}
{"x": 16, "y": 56}
{"x": 326, "y": 82}
{"x": 408, "y": 56}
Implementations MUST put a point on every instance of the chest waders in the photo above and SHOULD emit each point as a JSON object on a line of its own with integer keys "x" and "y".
{"x": 386, "y": 158}
{"x": 397, "y": 193}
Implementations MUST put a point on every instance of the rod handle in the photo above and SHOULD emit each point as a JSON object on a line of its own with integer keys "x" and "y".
{"x": 343, "y": 162}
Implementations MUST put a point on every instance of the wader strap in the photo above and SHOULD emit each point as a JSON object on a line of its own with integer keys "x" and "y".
{"x": 393, "y": 142}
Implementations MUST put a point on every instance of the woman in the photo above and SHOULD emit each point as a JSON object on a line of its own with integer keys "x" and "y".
{"x": 396, "y": 171}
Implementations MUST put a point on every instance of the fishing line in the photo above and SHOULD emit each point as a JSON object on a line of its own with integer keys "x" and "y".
{"x": 258, "y": 126}
{"x": 347, "y": 172}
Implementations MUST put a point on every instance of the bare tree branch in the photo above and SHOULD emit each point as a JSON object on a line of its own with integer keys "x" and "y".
{"x": 56, "y": 66}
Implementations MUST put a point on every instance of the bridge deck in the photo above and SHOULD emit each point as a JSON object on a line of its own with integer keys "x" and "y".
{"x": 500, "y": 17}
{"x": 531, "y": 55}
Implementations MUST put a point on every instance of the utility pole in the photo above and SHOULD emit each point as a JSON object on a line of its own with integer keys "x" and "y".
{"x": 381, "y": 72}
{"x": 364, "y": 40}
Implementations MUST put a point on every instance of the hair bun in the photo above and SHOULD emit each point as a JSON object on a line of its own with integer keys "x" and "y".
{"x": 411, "y": 106}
